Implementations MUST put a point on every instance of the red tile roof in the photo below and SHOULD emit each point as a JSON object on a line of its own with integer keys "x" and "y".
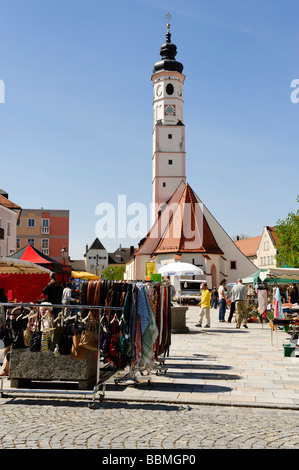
{"x": 187, "y": 230}
{"x": 248, "y": 246}
{"x": 7, "y": 203}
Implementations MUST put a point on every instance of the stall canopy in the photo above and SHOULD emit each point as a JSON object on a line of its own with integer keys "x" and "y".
{"x": 29, "y": 253}
{"x": 17, "y": 266}
{"x": 83, "y": 275}
{"x": 281, "y": 275}
{"x": 254, "y": 278}
{"x": 22, "y": 281}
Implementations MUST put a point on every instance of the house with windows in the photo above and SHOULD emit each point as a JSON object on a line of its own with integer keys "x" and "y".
{"x": 9, "y": 216}
{"x": 96, "y": 258}
{"x": 46, "y": 230}
{"x": 266, "y": 252}
{"x": 260, "y": 250}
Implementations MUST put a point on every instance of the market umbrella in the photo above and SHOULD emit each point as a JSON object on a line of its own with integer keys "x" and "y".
{"x": 180, "y": 269}
{"x": 83, "y": 275}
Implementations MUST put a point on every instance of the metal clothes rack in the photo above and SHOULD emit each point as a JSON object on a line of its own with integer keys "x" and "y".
{"x": 96, "y": 389}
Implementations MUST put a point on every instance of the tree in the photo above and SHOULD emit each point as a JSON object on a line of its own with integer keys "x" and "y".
{"x": 287, "y": 244}
{"x": 114, "y": 272}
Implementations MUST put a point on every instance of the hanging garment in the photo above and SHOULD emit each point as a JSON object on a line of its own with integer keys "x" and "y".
{"x": 278, "y": 313}
{"x": 149, "y": 337}
{"x": 262, "y": 296}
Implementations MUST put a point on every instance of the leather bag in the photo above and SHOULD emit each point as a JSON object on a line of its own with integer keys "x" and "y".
{"x": 78, "y": 352}
{"x": 90, "y": 337}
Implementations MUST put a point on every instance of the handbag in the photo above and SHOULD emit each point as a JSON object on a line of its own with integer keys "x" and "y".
{"x": 5, "y": 336}
{"x": 77, "y": 351}
{"x": 56, "y": 338}
{"x": 36, "y": 340}
{"x": 27, "y": 335}
{"x": 18, "y": 340}
{"x": 89, "y": 337}
{"x": 66, "y": 342}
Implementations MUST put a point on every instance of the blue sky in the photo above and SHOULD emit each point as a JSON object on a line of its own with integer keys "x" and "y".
{"x": 76, "y": 125}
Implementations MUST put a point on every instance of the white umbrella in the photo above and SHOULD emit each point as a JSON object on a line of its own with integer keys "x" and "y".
{"x": 180, "y": 269}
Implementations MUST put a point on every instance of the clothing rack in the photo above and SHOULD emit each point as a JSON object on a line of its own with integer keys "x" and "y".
{"x": 96, "y": 389}
{"x": 108, "y": 296}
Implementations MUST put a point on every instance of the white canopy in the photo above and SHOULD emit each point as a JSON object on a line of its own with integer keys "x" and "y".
{"x": 281, "y": 273}
{"x": 180, "y": 269}
{"x": 18, "y": 266}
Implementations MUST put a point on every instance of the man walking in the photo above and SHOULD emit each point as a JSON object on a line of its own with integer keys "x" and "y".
{"x": 205, "y": 305}
{"x": 239, "y": 292}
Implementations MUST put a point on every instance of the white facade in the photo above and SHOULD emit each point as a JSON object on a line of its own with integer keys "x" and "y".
{"x": 96, "y": 261}
{"x": 8, "y": 222}
{"x": 266, "y": 253}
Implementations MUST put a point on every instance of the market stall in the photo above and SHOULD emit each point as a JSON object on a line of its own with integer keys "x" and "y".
{"x": 29, "y": 253}
{"x": 23, "y": 281}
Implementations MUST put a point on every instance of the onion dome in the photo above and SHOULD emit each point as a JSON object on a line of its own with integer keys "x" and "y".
{"x": 168, "y": 52}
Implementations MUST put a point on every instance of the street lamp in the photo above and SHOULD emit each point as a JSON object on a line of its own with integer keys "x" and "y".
{"x": 64, "y": 254}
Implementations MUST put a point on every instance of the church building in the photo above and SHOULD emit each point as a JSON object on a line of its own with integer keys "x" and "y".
{"x": 182, "y": 227}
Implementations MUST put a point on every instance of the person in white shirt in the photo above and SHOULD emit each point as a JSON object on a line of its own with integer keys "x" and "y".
{"x": 67, "y": 299}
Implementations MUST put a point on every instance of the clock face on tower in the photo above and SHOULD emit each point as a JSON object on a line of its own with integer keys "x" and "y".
{"x": 169, "y": 110}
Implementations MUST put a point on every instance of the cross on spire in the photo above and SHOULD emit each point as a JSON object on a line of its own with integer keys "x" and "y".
{"x": 168, "y": 17}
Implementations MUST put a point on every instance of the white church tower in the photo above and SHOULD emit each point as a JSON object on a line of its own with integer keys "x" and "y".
{"x": 169, "y": 168}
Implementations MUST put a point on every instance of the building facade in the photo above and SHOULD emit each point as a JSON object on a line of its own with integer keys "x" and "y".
{"x": 46, "y": 230}
{"x": 261, "y": 250}
{"x": 96, "y": 258}
{"x": 9, "y": 216}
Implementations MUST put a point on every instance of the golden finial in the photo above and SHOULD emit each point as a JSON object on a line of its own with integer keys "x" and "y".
{"x": 168, "y": 18}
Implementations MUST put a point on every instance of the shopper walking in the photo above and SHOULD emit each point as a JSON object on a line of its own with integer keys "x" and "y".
{"x": 239, "y": 291}
{"x": 232, "y": 307}
{"x": 67, "y": 299}
{"x": 205, "y": 306}
{"x": 214, "y": 298}
{"x": 222, "y": 300}
{"x": 53, "y": 291}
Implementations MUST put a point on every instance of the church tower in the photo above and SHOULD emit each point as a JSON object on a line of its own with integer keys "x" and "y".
{"x": 169, "y": 168}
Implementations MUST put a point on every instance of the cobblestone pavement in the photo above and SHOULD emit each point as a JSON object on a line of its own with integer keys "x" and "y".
{"x": 223, "y": 389}
{"x": 40, "y": 424}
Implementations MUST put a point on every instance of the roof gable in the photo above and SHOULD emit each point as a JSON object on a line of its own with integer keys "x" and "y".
{"x": 96, "y": 245}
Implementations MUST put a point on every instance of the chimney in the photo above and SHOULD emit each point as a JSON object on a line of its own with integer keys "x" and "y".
{"x": 238, "y": 238}
{"x": 132, "y": 249}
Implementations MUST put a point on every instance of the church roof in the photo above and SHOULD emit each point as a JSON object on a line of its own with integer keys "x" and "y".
{"x": 181, "y": 227}
{"x": 188, "y": 230}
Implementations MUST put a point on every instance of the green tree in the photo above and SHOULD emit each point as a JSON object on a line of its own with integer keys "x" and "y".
{"x": 114, "y": 272}
{"x": 287, "y": 245}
